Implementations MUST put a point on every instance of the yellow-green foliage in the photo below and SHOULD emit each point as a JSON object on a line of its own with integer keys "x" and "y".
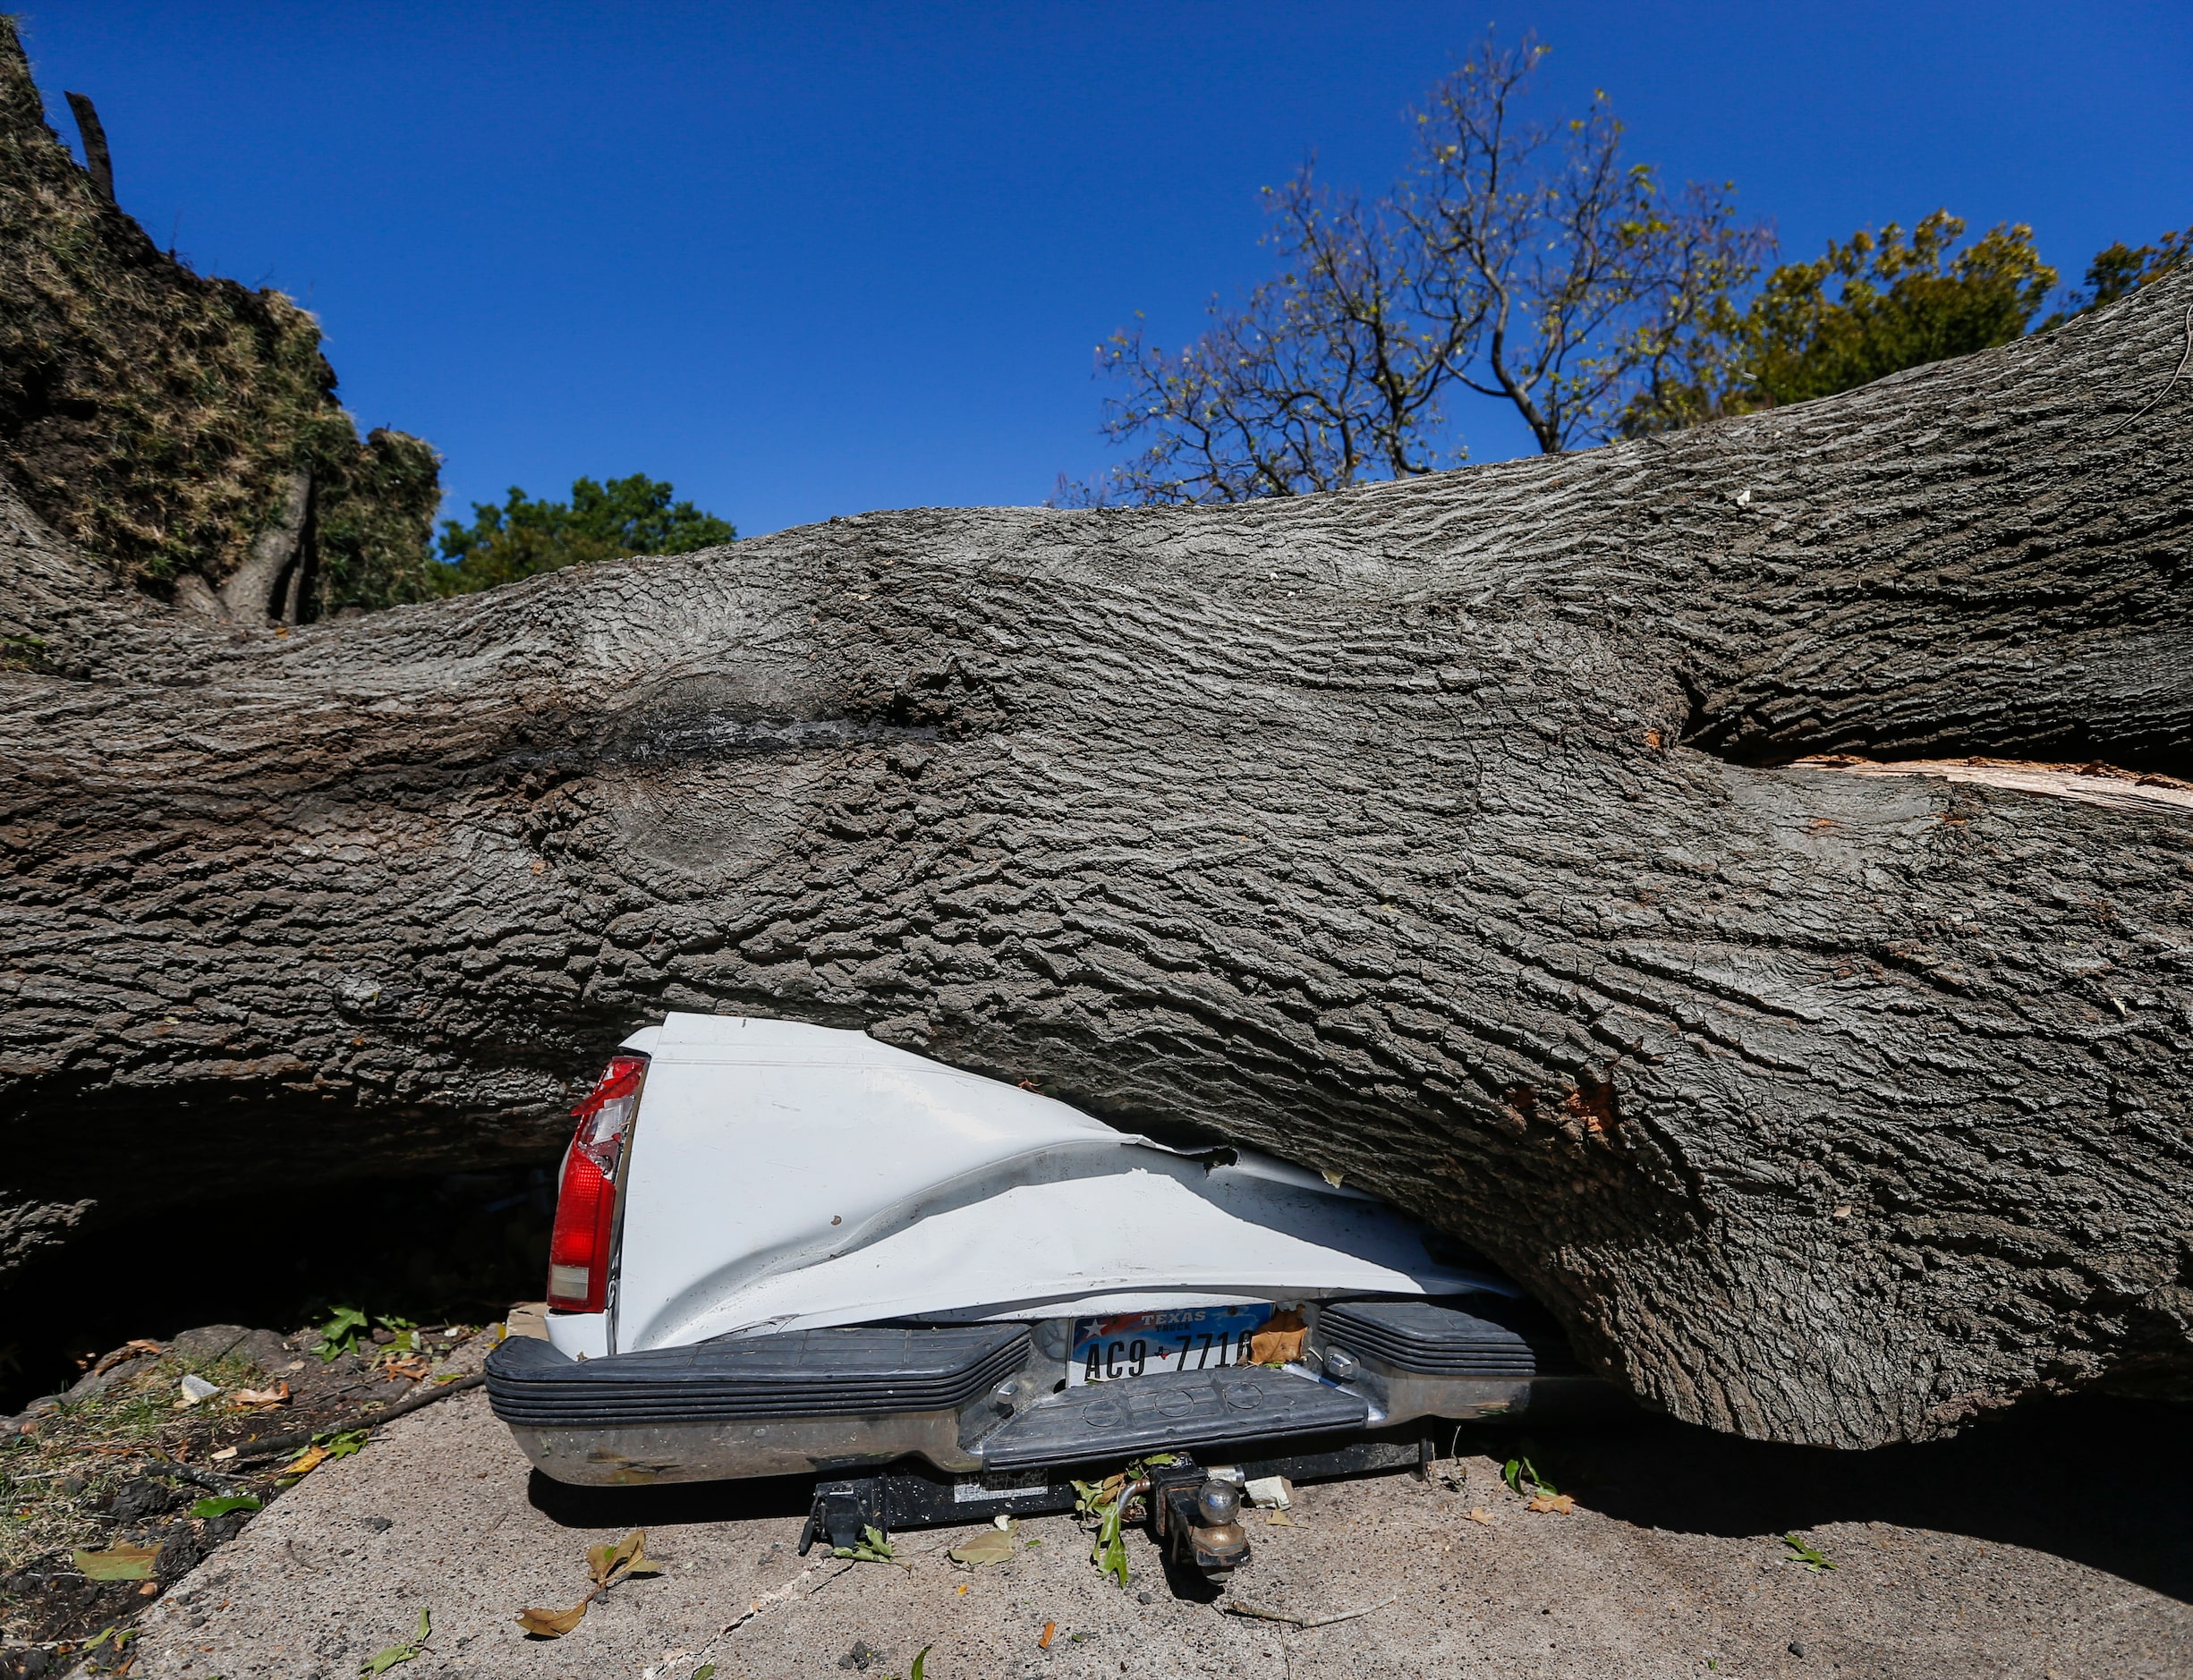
{"x": 153, "y": 415}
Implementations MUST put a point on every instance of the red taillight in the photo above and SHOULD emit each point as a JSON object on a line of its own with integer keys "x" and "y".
{"x": 586, "y": 1203}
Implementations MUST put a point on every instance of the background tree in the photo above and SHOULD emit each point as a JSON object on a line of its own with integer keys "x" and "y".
{"x": 1325, "y": 376}
{"x": 1872, "y": 306}
{"x": 2120, "y": 269}
{"x": 601, "y": 522}
{"x": 1521, "y": 261}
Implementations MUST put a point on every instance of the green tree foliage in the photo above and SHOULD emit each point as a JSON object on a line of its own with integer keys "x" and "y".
{"x": 601, "y": 522}
{"x": 2121, "y": 270}
{"x": 1872, "y": 306}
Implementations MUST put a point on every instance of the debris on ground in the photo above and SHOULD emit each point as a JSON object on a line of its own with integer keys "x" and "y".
{"x": 992, "y": 1546}
{"x": 389, "y": 1655}
{"x": 607, "y": 1565}
{"x": 112, "y": 1490}
{"x": 1805, "y": 1555}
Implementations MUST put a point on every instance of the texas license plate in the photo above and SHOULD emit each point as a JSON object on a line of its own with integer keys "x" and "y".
{"x": 1146, "y": 1344}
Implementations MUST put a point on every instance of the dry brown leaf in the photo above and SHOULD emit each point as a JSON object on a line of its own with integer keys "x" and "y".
{"x": 1280, "y": 1518}
{"x": 1560, "y": 1504}
{"x": 306, "y": 1461}
{"x": 413, "y": 1366}
{"x": 276, "y": 1395}
{"x": 1279, "y": 1342}
{"x": 1482, "y": 1516}
{"x": 551, "y": 1623}
{"x": 628, "y": 1555}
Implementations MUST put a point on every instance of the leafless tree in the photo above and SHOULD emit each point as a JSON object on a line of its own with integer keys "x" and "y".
{"x": 1326, "y": 376}
{"x": 1522, "y": 262}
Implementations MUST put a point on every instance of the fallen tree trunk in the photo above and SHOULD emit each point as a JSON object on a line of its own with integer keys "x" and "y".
{"x": 1443, "y": 835}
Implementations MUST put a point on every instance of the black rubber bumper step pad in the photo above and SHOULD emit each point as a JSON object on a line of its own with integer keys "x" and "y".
{"x": 860, "y": 1372}
{"x": 1491, "y": 1337}
{"x": 1185, "y": 1409}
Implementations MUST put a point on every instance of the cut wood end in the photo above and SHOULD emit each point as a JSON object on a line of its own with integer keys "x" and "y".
{"x": 2102, "y": 784}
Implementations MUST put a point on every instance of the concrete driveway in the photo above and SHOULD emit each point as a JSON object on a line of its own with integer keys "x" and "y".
{"x": 2054, "y": 1544}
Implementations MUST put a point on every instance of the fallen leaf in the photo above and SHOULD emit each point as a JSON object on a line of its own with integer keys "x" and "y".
{"x": 221, "y": 1507}
{"x": 1280, "y": 1518}
{"x": 118, "y": 1562}
{"x": 1482, "y": 1516}
{"x": 1051, "y": 1632}
{"x": 872, "y": 1548}
{"x": 306, "y": 1461}
{"x": 551, "y": 1623}
{"x": 224, "y": 1455}
{"x": 276, "y": 1395}
{"x": 413, "y": 1366}
{"x": 1560, "y": 1504}
{"x": 389, "y": 1655}
{"x": 706, "y": 1671}
{"x": 1280, "y": 1341}
{"x": 992, "y": 1546}
{"x": 628, "y": 1555}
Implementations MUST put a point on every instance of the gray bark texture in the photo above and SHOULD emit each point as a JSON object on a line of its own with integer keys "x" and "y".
{"x": 1443, "y": 834}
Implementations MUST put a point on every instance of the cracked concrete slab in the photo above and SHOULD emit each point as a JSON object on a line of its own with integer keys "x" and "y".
{"x": 1671, "y": 1565}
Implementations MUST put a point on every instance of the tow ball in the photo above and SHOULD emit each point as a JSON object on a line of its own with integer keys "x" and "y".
{"x": 1195, "y": 1516}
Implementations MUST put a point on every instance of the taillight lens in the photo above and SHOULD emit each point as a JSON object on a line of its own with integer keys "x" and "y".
{"x": 586, "y": 1203}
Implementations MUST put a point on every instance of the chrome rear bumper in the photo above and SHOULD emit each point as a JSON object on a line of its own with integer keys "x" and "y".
{"x": 972, "y": 1398}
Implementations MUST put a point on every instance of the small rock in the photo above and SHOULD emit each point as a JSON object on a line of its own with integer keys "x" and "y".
{"x": 196, "y": 1388}
{"x": 861, "y": 1656}
{"x": 1796, "y": 1647}
{"x": 378, "y": 1524}
{"x": 136, "y": 1500}
{"x": 1145, "y": 1598}
{"x": 97, "y": 1382}
{"x": 264, "y": 1349}
{"x": 207, "y": 1342}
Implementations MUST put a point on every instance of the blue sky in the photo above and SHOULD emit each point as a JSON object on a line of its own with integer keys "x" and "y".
{"x": 814, "y": 260}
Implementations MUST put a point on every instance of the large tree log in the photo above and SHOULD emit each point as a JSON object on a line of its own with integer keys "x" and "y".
{"x": 1443, "y": 834}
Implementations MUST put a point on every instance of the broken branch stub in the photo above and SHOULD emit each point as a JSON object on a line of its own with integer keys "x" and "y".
{"x": 1444, "y": 835}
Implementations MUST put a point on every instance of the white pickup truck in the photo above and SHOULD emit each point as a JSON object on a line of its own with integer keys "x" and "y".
{"x": 783, "y": 1249}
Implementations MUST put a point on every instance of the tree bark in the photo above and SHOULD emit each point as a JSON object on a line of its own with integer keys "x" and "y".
{"x": 1445, "y": 834}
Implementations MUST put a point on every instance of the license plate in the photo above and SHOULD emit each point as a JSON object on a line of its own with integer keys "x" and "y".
{"x": 1146, "y": 1344}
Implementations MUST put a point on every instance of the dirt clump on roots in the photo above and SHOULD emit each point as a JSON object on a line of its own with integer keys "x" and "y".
{"x": 158, "y": 418}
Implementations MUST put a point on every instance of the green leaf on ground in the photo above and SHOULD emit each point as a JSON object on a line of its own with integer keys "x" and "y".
{"x": 389, "y": 1655}
{"x": 1806, "y": 1556}
{"x": 1522, "y": 1477}
{"x": 339, "y": 1335}
{"x": 221, "y": 1507}
{"x": 872, "y": 1549}
{"x": 117, "y": 1563}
